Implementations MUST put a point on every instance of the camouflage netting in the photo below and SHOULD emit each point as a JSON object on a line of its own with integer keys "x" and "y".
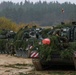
{"x": 19, "y": 35}
{"x": 68, "y": 52}
{"x": 55, "y": 48}
{"x": 18, "y": 43}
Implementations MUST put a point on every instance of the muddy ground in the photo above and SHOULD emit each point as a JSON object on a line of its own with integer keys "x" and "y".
{"x": 11, "y": 65}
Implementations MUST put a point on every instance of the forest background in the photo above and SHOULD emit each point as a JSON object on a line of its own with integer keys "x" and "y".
{"x": 41, "y": 13}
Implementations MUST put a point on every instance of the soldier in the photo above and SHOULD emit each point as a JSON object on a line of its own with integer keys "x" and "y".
{"x": 7, "y": 48}
{"x": 12, "y": 49}
{"x": 62, "y": 40}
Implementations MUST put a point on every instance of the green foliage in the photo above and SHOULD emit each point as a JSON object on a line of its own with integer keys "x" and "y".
{"x": 72, "y": 45}
{"x": 45, "y": 52}
{"x": 19, "y": 34}
{"x": 64, "y": 26}
{"x": 54, "y": 42}
{"x": 18, "y": 44}
{"x": 7, "y": 24}
{"x": 44, "y": 33}
{"x": 3, "y": 44}
{"x": 55, "y": 48}
{"x": 24, "y": 44}
{"x": 0, "y": 31}
{"x": 68, "y": 53}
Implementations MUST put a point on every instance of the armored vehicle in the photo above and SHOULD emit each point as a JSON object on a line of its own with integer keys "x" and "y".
{"x": 58, "y": 49}
{"x": 5, "y": 38}
{"x": 25, "y": 39}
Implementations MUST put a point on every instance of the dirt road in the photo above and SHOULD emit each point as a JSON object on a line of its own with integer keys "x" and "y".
{"x": 10, "y": 65}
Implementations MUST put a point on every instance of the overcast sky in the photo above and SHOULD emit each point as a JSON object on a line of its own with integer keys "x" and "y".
{"x": 60, "y": 1}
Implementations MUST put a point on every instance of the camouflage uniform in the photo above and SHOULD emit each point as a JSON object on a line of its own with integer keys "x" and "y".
{"x": 12, "y": 49}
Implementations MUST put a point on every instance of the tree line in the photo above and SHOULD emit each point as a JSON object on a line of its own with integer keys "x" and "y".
{"x": 42, "y": 13}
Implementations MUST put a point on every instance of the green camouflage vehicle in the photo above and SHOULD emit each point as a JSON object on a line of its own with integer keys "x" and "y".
{"x": 25, "y": 38}
{"x": 60, "y": 51}
{"x": 6, "y": 37}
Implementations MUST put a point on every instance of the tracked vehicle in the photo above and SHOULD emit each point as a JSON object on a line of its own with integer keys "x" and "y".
{"x": 25, "y": 39}
{"x": 60, "y": 51}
